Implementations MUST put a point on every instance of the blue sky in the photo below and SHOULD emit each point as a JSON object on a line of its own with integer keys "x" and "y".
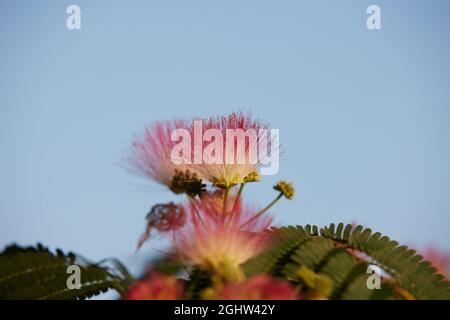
{"x": 363, "y": 115}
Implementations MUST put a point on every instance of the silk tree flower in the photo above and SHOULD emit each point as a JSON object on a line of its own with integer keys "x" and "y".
{"x": 155, "y": 286}
{"x": 233, "y": 149}
{"x": 218, "y": 242}
{"x": 150, "y": 156}
{"x": 225, "y": 151}
{"x": 260, "y": 287}
{"x": 163, "y": 218}
{"x": 167, "y": 217}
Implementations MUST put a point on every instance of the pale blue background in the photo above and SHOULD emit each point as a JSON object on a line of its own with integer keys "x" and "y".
{"x": 364, "y": 115}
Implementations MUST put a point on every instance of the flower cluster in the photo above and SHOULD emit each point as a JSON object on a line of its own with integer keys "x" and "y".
{"x": 212, "y": 230}
{"x": 217, "y": 241}
{"x": 224, "y": 151}
{"x": 155, "y": 286}
{"x": 213, "y": 233}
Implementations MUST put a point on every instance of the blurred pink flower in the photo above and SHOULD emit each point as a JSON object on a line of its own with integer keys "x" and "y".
{"x": 260, "y": 287}
{"x": 216, "y": 240}
{"x": 155, "y": 286}
{"x": 150, "y": 154}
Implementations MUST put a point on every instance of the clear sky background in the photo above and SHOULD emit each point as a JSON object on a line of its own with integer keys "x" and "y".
{"x": 363, "y": 115}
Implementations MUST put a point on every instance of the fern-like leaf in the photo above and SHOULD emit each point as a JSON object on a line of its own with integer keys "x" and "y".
{"x": 343, "y": 253}
{"x": 38, "y": 273}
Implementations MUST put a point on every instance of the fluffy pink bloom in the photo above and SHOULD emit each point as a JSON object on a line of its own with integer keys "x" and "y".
{"x": 260, "y": 287}
{"x": 150, "y": 154}
{"x": 155, "y": 286}
{"x": 217, "y": 241}
{"x": 225, "y": 151}
{"x": 234, "y": 169}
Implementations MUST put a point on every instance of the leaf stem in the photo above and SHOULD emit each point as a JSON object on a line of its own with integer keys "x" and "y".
{"x": 225, "y": 200}
{"x": 238, "y": 196}
{"x": 270, "y": 205}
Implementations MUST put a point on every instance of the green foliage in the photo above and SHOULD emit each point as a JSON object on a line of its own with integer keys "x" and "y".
{"x": 329, "y": 262}
{"x": 38, "y": 273}
{"x": 343, "y": 254}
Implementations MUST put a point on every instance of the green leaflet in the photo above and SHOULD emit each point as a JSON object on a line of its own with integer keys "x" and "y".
{"x": 327, "y": 251}
{"x": 38, "y": 273}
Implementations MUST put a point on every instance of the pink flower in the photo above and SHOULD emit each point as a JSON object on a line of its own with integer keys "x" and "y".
{"x": 225, "y": 151}
{"x": 150, "y": 156}
{"x": 260, "y": 287}
{"x": 155, "y": 286}
{"x": 219, "y": 242}
{"x": 240, "y": 161}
